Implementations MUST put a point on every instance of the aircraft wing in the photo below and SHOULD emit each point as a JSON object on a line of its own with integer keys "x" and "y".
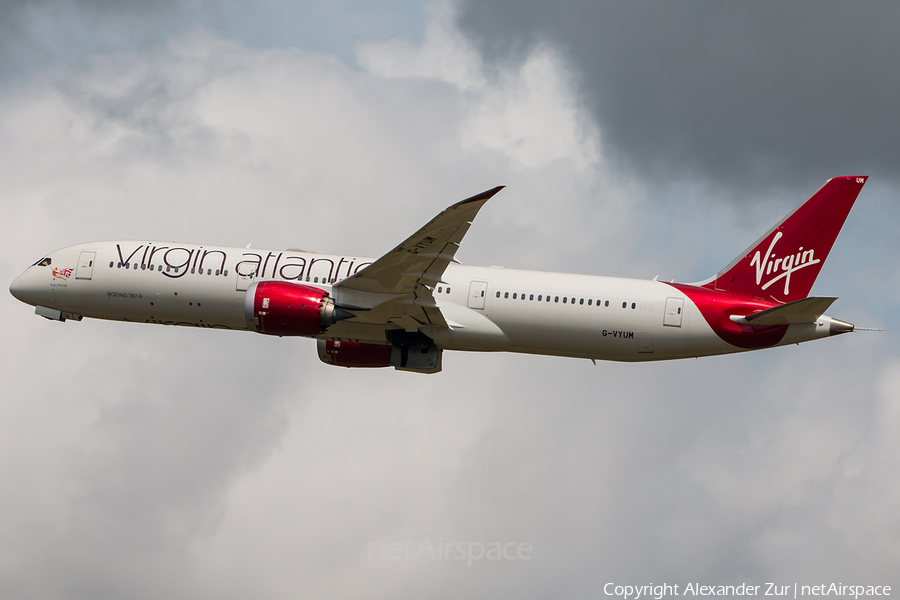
{"x": 397, "y": 288}
{"x": 807, "y": 310}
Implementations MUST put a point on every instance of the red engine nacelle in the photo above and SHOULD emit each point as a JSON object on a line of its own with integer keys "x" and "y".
{"x": 282, "y": 308}
{"x": 355, "y": 354}
{"x": 406, "y": 352}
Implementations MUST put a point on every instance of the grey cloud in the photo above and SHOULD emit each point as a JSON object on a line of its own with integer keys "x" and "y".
{"x": 40, "y": 33}
{"x": 737, "y": 93}
{"x": 44, "y": 32}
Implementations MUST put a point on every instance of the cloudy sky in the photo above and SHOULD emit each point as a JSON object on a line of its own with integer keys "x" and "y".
{"x": 636, "y": 139}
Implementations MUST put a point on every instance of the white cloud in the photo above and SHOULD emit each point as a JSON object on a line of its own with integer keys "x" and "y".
{"x": 528, "y": 113}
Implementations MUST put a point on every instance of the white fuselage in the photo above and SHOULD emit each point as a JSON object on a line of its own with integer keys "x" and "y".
{"x": 486, "y": 308}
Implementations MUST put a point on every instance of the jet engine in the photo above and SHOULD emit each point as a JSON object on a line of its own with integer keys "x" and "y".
{"x": 354, "y": 354}
{"x": 406, "y": 352}
{"x": 282, "y": 308}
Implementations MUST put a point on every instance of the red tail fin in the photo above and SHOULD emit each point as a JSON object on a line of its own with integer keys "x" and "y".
{"x": 784, "y": 263}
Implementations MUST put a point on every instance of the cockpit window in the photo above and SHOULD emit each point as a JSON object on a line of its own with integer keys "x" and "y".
{"x": 44, "y": 262}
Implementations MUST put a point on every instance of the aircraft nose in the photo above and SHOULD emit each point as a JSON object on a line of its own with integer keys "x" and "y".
{"x": 24, "y": 289}
{"x": 16, "y": 289}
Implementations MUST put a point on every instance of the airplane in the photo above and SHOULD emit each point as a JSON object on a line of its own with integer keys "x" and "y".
{"x": 404, "y": 309}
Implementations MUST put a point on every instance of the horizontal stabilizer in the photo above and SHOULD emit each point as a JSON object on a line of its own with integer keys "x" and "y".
{"x": 807, "y": 310}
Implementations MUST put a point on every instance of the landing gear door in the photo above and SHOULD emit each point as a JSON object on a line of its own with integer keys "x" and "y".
{"x": 477, "y": 291}
{"x": 85, "y": 268}
{"x": 674, "y": 308}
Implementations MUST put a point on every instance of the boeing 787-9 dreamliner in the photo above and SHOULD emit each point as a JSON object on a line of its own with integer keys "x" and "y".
{"x": 404, "y": 309}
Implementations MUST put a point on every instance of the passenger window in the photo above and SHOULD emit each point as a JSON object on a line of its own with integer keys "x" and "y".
{"x": 539, "y": 297}
{"x": 624, "y": 305}
{"x": 531, "y": 297}
{"x": 498, "y": 294}
{"x": 607, "y": 303}
{"x": 448, "y": 290}
{"x": 557, "y": 299}
{"x": 226, "y": 273}
{"x": 482, "y": 293}
{"x": 632, "y": 305}
{"x": 514, "y": 295}
{"x": 589, "y": 301}
{"x": 192, "y": 270}
{"x": 209, "y": 272}
{"x": 110, "y": 264}
{"x": 316, "y": 280}
{"x": 581, "y": 301}
{"x": 506, "y": 294}
{"x": 565, "y": 299}
{"x": 217, "y": 272}
{"x": 440, "y": 289}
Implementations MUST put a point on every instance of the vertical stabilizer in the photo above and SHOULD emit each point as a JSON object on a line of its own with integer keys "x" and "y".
{"x": 784, "y": 263}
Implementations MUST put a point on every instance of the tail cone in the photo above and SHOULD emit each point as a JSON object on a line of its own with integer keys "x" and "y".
{"x": 839, "y": 327}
